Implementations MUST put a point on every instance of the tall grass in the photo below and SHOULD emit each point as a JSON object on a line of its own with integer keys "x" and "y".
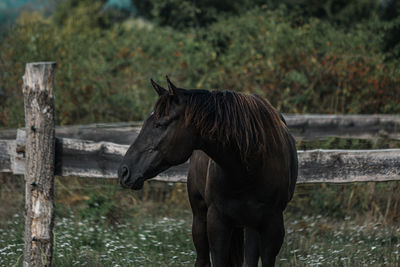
{"x": 99, "y": 224}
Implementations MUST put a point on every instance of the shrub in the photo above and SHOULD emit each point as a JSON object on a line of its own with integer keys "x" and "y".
{"x": 103, "y": 72}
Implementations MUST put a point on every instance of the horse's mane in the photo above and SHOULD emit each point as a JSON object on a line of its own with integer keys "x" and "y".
{"x": 247, "y": 122}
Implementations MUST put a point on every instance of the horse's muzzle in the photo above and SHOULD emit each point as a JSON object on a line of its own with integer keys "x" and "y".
{"x": 126, "y": 181}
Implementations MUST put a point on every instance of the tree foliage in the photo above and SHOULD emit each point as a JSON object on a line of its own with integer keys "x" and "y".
{"x": 183, "y": 14}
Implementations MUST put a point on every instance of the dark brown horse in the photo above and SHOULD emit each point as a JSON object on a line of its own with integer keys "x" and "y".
{"x": 243, "y": 169}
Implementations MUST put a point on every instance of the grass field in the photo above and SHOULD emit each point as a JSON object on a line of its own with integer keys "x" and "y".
{"x": 99, "y": 224}
{"x": 164, "y": 241}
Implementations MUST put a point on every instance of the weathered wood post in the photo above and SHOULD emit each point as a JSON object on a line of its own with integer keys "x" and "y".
{"x": 39, "y": 163}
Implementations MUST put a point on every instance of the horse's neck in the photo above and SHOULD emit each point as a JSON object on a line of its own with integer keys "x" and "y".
{"x": 228, "y": 159}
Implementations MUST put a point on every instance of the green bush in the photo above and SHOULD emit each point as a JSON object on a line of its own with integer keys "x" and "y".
{"x": 103, "y": 71}
{"x": 313, "y": 68}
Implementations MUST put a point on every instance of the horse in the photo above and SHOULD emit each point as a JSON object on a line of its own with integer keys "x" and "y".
{"x": 242, "y": 172}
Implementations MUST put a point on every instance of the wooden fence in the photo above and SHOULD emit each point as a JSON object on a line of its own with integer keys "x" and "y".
{"x": 40, "y": 151}
{"x": 303, "y": 127}
{"x": 85, "y": 158}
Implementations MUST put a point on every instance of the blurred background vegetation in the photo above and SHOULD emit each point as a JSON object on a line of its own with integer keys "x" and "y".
{"x": 305, "y": 56}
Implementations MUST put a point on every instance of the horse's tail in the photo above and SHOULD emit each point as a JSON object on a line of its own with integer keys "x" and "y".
{"x": 236, "y": 249}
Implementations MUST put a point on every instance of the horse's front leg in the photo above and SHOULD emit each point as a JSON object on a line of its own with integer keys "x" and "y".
{"x": 271, "y": 234}
{"x": 219, "y": 235}
{"x": 199, "y": 234}
{"x": 252, "y": 247}
{"x": 199, "y": 226}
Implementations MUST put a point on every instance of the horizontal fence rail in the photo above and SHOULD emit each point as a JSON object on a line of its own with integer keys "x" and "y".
{"x": 307, "y": 127}
{"x": 101, "y": 159}
{"x": 312, "y": 126}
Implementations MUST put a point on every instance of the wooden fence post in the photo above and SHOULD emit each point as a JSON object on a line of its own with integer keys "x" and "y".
{"x": 39, "y": 163}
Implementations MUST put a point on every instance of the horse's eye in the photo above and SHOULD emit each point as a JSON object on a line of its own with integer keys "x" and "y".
{"x": 163, "y": 123}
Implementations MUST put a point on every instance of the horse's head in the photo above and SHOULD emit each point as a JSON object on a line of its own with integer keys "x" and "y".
{"x": 164, "y": 141}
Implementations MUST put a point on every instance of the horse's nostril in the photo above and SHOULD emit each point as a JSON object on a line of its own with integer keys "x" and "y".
{"x": 124, "y": 174}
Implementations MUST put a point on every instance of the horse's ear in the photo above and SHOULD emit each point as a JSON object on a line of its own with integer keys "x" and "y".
{"x": 159, "y": 89}
{"x": 172, "y": 88}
